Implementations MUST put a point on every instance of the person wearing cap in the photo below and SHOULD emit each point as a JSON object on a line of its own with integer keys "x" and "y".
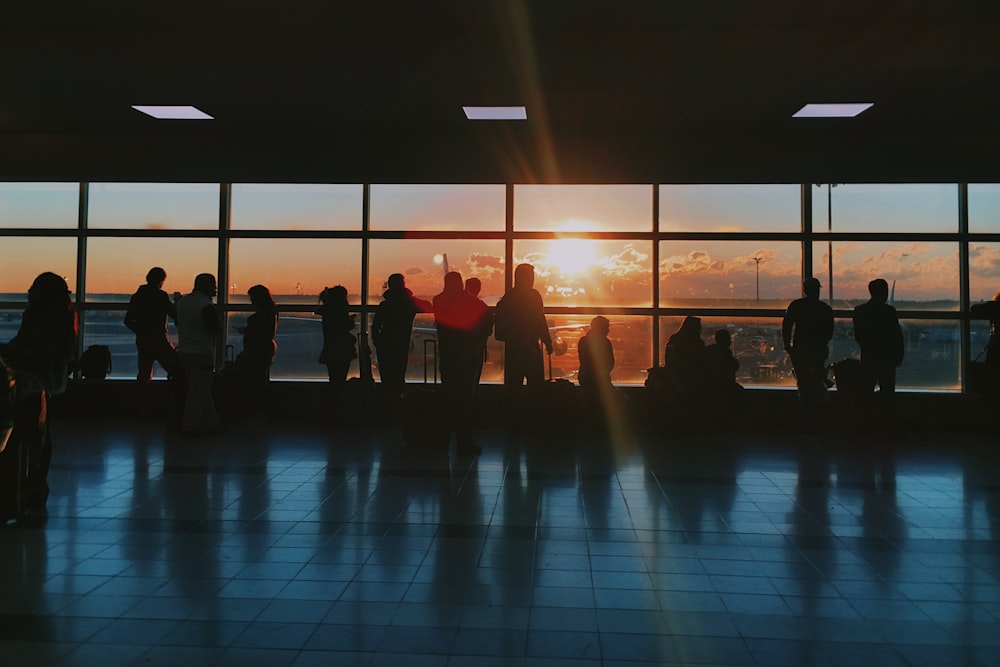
{"x": 806, "y": 331}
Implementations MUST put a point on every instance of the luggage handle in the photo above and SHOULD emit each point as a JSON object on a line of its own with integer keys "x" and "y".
{"x": 431, "y": 343}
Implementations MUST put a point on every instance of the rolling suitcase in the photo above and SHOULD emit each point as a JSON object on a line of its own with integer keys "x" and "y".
{"x": 422, "y": 410}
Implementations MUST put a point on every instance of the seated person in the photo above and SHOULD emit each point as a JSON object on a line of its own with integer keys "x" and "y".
{"x": 721, "y": 365}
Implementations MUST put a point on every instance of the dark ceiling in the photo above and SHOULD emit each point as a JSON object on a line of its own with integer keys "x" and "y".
{"x": 617, "y": 91}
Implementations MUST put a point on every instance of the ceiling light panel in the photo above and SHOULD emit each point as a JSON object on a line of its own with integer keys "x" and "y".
{"x": 495, "y": 113}
{"x": 848, "y": 110}
{"x": 173, "y": 112}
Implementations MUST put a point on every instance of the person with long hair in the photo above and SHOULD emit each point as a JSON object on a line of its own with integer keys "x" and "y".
{"x": 338, "y": 337}
{"x": 259, "y": 346}
{"x": 45, "y": 343}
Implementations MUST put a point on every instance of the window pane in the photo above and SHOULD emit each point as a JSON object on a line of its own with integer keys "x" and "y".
{"x": 587, "y": 272}
{"x": 153, "y": 206}
{"x": 26, "y": 257}
{"x": 730, "y": 208}
{"x": 984, "y": 271}
{"x": 10, "y": 322}
{"x": 422, "y": 263}
{"x": 631, "y": 338}
{"x": 583, "y": 208}
{"x": 933, "y": 355}
{"x": 757, "y": 346}
{"x": 107, "y": 327}
{"x": 852, "y": 207}
{"x": 296, "y": 206}
{"x": 42, "y": 205}
{"x": 438, "y": 207}
{"x": 921, "y": 275}
{"x": 984, "y": 207}
{"x": 727, "y": 273}
{"x": 295, "y": 270}
{"x": 117, "y": 266}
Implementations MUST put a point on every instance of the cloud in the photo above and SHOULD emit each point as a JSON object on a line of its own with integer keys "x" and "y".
{"x": 413, "y": 271}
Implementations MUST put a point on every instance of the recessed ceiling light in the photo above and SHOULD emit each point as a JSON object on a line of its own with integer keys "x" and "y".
{"x": 173, "y": 112}
{"x": 831, "y": 110}
{"x": 495, "y": 113}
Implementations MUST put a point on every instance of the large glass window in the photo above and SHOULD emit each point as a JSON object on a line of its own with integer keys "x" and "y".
{"x": 39, "y": 205}
{"x": 903, "y": 208}
{"x": 729, "y": 274}
{"x": 423, "y": 263}
{"x": 296, "y": 206}
{"x": 984, "y": 207}
{"x": 756, "y": 344}
{"x": 26, "y": 257}
{"x": 730, "y": 208}
{"x": 922, "y": 275}
{"x": 153, "y": 206}
{"x": 589, "y": 272}
{"x": 583, "y": 208}
{"x": 295, "y": 270}
{"x": 117, "y": 266}
{"x": 438, "y": 207}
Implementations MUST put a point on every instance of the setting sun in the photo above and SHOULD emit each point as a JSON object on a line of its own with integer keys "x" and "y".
{"x": 571, "y": 256}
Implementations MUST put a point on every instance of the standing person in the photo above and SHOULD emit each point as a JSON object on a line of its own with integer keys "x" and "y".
{"x": 392, "y": 327}
{"x": 520, "y": 324}
{"x": 259, "y": 346}
{"x": 46, "y": 340}
{"x": 146, "y": 317}
{"x": 877, "y": 330}
{"x": 456, "y": 316}
{"x": 198, "y": 323}
{"x": 338, "y": 337}
{"x": 484, "y": 323}
{"x": 25, "y": 444}
{"x": 806, "y": 331}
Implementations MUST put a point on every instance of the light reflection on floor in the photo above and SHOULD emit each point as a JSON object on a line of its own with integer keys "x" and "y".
{"x": 292, "y": 544}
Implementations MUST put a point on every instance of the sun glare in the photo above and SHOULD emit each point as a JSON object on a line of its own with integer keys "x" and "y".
{"x": 572, "y": 256}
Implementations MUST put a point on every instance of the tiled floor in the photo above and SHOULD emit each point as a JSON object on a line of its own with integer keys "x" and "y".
{"x": 284, "y": 544}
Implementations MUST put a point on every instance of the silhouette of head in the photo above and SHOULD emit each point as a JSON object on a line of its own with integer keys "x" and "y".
{"x": 260, "y": 297}
{"x": 156, "y": 276}
{"x": 524, "y": 276}
{"x": 396, "y": 281}
{"x": 600, "y": 325}
{"x": 205, "y": 283}
{"x": 453, "y": 282}
{"x": 335, "y": 294}
{"x": 47, "y": 289}
{"x": 473, "y": 286}
{"x": 723, "y": 338}
{"x": 691, "y": 326}
{"x": 879, "y": 289}
{"x": 810, "y": 287}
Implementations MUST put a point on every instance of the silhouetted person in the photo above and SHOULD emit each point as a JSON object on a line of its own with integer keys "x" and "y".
{"x": 684, "y": 357}
{"x": 457, "y": 316}
{"x": 520, "y": 324}
{"x": 877, "y": 330}
{"x": 597, "y": 357}
{"x": 484, "y": 322}
{"x": 392, "y": 327}
{"x": 259, "y": 346}
{"x": 990, "y": 310}
{"x": 338, "y": 337}
{"x": 46, "y": 340}
{"x": 146, "y": 317}
{"x": 198, "y": 323}
{"x": 23, "y": 426}
{"x": 806, "y": 331}
{"x": 720, "y": 371}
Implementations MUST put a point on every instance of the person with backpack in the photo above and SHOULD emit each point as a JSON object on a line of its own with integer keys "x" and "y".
{"x": 146, "y": 317}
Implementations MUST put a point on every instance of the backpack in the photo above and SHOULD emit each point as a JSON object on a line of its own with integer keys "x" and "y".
{"x": 502, "y": 324}
{"x": 95, "y": 362}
